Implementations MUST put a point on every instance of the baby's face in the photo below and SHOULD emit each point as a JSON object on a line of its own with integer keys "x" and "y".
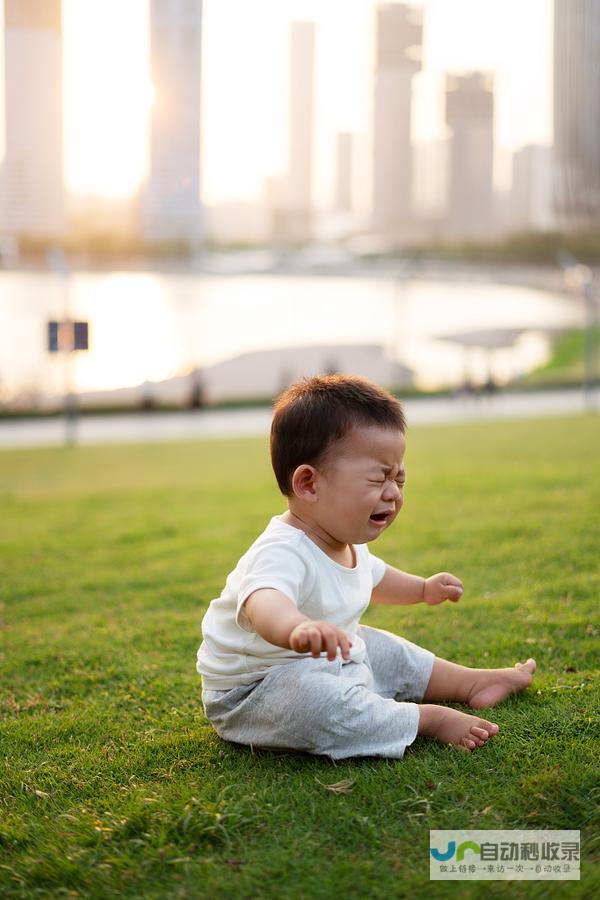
{"x": 360, "y": 488}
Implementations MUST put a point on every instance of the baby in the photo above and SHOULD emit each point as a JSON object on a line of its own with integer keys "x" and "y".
{"x": 284, "y": 660}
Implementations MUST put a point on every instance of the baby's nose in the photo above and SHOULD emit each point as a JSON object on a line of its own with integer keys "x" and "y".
{"x": 392, "y": 491}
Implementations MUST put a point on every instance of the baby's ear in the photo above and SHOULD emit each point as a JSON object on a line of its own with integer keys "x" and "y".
{"x": 303, "y": 483}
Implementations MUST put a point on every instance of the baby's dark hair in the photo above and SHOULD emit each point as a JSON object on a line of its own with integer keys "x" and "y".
{"x": 314, "y": 413}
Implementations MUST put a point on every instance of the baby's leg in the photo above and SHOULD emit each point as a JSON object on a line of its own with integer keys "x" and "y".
{"x": 403, "y": 669}
{"x": 476, "y": 687}
{"x": 400, "y": 666}
{"x": 312, "y": 705}
{"x": 449, "y": 726}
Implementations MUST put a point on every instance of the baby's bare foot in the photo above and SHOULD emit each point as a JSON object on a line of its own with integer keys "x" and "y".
{"x": 491, "y": 686}
{"x": 450, "y": 726}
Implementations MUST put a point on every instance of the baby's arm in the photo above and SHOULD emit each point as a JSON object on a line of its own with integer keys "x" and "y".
{"x": 279, "y": 622}
{"x": 402, "y": 588}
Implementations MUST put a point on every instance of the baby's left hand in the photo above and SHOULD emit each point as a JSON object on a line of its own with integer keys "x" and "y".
{"x": 440, "y": 587}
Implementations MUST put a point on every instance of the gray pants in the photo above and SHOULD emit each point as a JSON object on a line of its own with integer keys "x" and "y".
{"x": 329, "y": 708}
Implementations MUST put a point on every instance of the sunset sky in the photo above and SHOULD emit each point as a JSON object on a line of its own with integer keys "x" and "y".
{"x": 245, "y": 45}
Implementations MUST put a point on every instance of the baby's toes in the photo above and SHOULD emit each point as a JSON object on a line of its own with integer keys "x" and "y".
{"x": 529, "y": 666}
{"x": 468, "y": 744}
{"x": 480, "y": 733}
{"x": 489, "y": 727}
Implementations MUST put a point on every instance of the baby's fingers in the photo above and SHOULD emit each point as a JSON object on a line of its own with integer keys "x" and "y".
{"x": 448, "y": 579}
{"x": 330, "y": 644}
{"x": 339, "y": 638}
{"x": 345, "y": 644}
{"x": 332, "y": 637}
{"x": 450, "y": 587}
{"x": 313, "y": 636}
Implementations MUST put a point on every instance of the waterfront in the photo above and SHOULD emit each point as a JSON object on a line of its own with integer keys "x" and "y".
{"x": 150, "y": 326}
{"x": 158, "y": 427}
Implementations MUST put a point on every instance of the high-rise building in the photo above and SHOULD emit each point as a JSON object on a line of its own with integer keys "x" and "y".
{"x": 470, "y": 117}
{"x": 32, "y": 181}
{"x": 293, "y": 221}
{"x": 171, "y": 209}
{"x": 577, "y": 111}
{"x": 430, "y": 179}
{"x": 530, "y": 207}
{"x": 343, "y": 172}
{"x": 398, "y": 59}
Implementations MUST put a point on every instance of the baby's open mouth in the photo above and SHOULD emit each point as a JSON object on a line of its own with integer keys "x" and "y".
{"x": 379, "y": 517}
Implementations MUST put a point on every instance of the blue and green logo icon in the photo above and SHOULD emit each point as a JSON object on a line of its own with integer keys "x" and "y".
{"x": 448, "y": 853}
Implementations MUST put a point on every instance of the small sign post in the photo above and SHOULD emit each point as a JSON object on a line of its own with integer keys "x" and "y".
{"x": 582, "y": 281}
{"x": 65, "y": 336}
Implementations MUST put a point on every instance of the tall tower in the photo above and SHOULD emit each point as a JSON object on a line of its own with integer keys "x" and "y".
{"x": 32, "y": 180}
{"x": 470, "y": 116}
{"x": 171, "y": 207}
{"x": 343, "y": 183}
{"x": 294, "y": 221}
{"x": 577, "y": 111}
{"x": 531, "y": 189}
{"x": 399, "y": 37}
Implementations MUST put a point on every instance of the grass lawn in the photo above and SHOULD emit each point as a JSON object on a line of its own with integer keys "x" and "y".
{"x": 112, "y": 783}
{"x": 566, "y": 365}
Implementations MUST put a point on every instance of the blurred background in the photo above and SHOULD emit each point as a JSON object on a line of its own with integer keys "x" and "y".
{"x": 227, "y": 195}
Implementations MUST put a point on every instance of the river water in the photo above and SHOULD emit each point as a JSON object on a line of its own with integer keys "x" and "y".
{"x": 151, "y": 326}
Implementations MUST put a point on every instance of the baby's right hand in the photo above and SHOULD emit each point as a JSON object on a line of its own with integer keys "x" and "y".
{"x": 316, "y": 636}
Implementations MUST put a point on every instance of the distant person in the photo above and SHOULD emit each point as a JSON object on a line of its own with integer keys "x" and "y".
{"x": 490, "y": 387}
{"x": 284, "y": 661}
{"x": 148, "y": 399}
{"x": 467, "y": 388}
{"x": 196, "y": 397}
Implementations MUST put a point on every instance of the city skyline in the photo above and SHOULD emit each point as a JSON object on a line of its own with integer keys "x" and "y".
{"x": 107, "y": 107}
{"x": 171, "y": 207}
{"x": 32, "y": 194}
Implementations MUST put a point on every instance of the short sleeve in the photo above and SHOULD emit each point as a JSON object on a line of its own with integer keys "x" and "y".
{"x": 378, "y": 567}
{"x": 277, "y": 565}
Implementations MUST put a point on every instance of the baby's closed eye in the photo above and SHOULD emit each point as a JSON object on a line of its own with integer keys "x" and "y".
{"x": 399, "y": 481}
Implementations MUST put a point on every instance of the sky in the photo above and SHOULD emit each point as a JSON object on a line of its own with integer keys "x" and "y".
{"x": 244, "y": 108}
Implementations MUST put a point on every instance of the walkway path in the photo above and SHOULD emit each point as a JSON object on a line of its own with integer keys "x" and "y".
{"x": 180, "y": 426}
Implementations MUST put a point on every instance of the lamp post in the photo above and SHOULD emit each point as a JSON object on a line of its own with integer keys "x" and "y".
{"x": 65, "y": 337}
{"x": 591, "y": 344}
{"x": 581, "y": 280}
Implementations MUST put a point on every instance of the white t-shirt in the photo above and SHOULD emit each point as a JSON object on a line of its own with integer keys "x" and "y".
{"x": 284, "y": 558}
